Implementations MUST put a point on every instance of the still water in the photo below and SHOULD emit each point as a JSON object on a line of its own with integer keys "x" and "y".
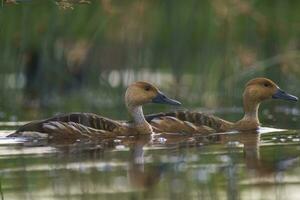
{"x": 263, "y": 164}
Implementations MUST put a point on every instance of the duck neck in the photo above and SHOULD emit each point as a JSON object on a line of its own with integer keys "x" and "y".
{"x": 251, "y": 110}
{"x": 139, "y": 120}
{"x": 137, "y": 114}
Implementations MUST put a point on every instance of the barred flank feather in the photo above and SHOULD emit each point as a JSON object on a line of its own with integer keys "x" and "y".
{"x": 175, "y": 125}
{"x": 74, "y": 130}
{"x": 87, "y": 119}
{"x": 196, "y": 118}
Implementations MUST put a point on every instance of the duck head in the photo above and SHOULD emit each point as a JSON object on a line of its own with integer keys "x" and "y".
{"x": 260, "y": 89}
{"x": 256, "y": 91}
{"x": 140, "y": 93}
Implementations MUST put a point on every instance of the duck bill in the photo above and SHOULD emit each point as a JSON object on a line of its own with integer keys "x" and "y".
{"x": 280, "y": 94}
{"x": 162, "y": 99}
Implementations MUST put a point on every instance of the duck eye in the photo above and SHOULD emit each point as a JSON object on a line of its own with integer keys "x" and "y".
{"x": 267, "y": 85}
{"x": 147, "y": 88}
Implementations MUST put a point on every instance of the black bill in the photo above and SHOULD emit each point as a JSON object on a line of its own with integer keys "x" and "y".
{"x": 280, "y": 94}
{"x": 161, "y": 98}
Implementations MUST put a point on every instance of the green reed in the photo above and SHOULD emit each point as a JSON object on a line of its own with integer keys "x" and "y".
{"x": 210, "y": 49}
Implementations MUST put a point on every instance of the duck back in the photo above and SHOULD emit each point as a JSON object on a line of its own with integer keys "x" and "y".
{"x": 86, "y": 119}
{"x": 196, "y": 118}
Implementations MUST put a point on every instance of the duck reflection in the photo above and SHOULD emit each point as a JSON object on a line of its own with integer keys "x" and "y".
{"x": 103, "y": 171}
{"x": 142, "y": 176}
{"x": 262, "y": 163}
{"x": 269, "y": 163}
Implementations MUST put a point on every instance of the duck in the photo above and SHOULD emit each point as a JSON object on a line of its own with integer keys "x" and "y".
{"x": 89, "y": 125}
{"x": 256, "y": 91}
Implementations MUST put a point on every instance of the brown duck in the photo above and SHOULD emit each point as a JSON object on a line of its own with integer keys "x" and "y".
{"x": 88, "y": 125}
{"x": 256, "y": 91}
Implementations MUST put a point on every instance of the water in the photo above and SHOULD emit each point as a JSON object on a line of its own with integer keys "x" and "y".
{"x": 249, "y": 165}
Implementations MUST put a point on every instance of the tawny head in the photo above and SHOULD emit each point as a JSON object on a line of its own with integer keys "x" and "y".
{"x": 140, "y": 93}
{"x": 260, "y": 89}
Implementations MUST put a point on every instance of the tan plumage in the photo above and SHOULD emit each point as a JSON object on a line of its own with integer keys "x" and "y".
{"x": 74, "y": 130}
{"x": 88, "y": 125}
{"x": 256, "y": 91}
{"x": 176, "y": 125}
{"x": 87, "y": 119}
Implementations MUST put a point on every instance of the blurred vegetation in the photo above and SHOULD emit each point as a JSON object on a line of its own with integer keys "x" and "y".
{"x": 75, "y": 55}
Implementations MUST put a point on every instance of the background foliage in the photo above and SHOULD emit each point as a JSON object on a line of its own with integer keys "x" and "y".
{"x": 59, "y": 56}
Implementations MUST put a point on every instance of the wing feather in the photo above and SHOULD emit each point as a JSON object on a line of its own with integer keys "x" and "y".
{"x": 196, "y": 118}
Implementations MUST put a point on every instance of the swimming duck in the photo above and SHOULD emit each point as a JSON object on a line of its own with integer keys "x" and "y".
{"x": 86, "y": 125}
{"x": 256, "y": 91}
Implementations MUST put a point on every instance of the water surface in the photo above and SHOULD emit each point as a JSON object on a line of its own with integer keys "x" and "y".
{"x": 250, "y": 165}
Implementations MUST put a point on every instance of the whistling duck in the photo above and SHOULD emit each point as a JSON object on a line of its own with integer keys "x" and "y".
{"x": 256, "y": 91}
{"x": 87, "y": 125}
